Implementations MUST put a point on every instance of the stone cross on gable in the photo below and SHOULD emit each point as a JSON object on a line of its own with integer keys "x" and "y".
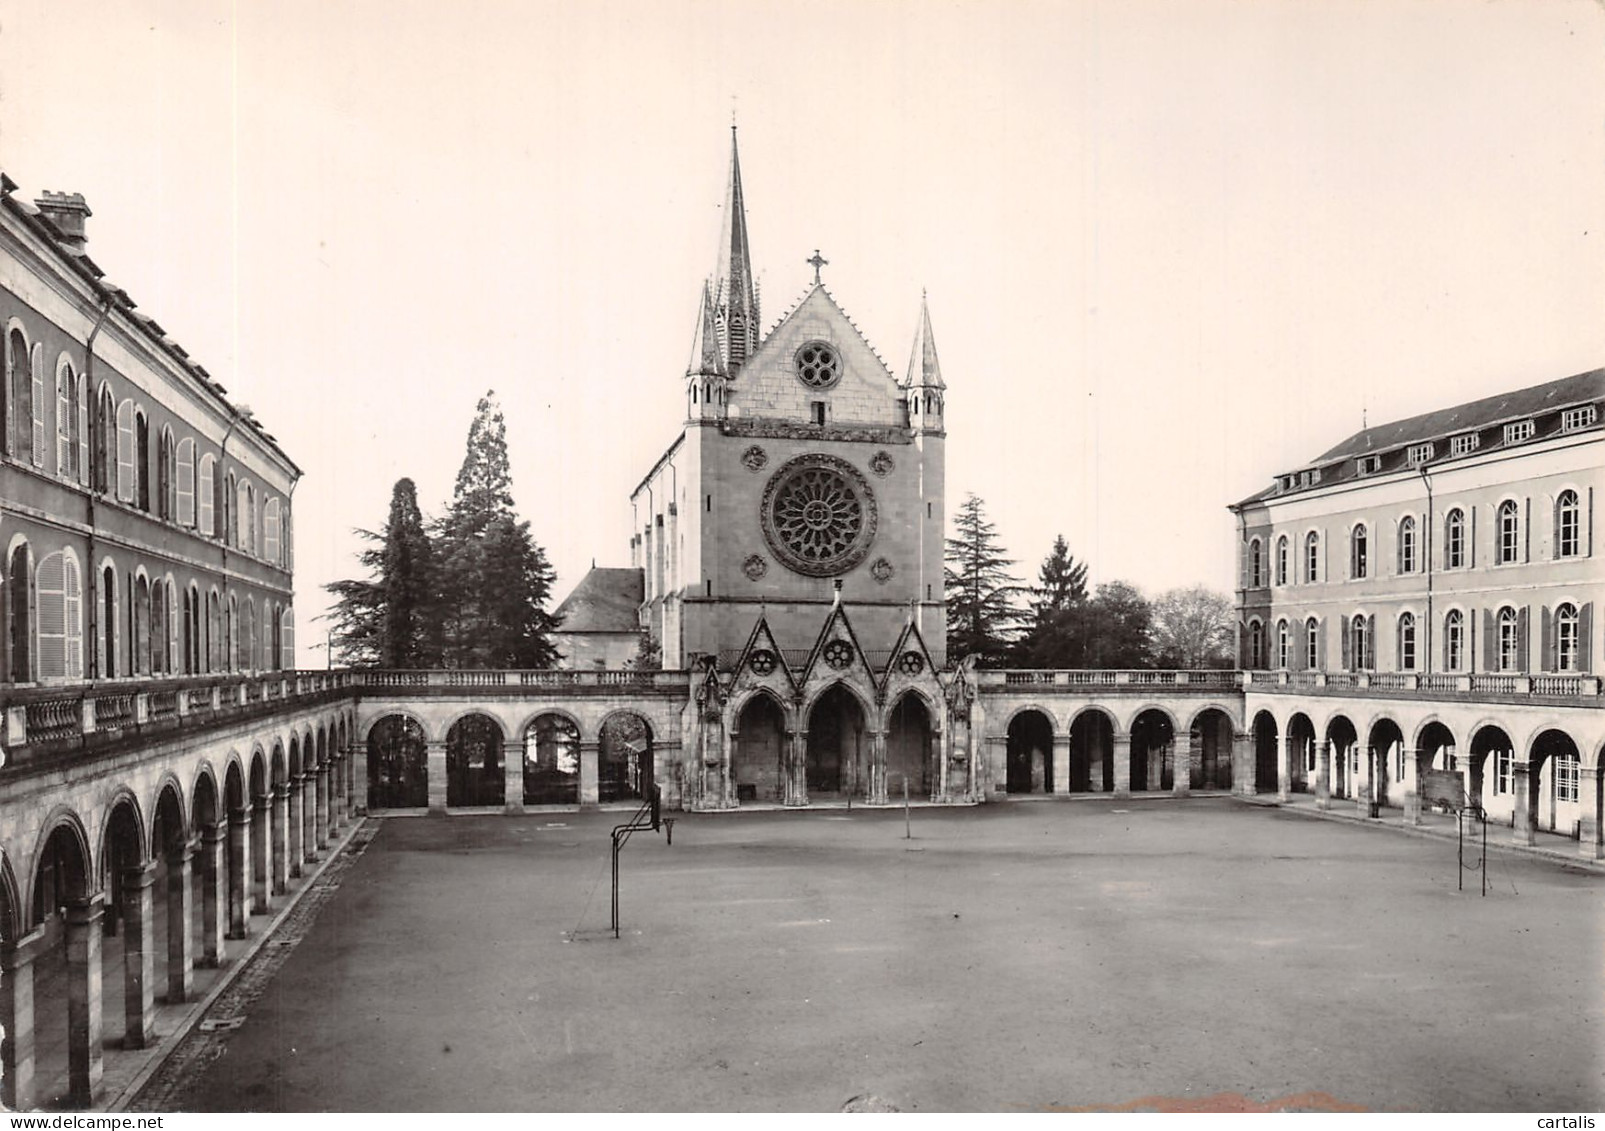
{"x": 816, "y": 263}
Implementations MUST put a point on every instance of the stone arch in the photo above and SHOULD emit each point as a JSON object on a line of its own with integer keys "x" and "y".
{"x": 1143, "y": 708}
{"x": 278, "y": 767}
{"x": 11, "y": 906}
{"x": 761, "y": 726}
{"x": 1490, "y": 742}
{"x": 398, "y": 767}
{"x": 168, "y": 783}
{"x": 1028, "y": 751}
{"x": 1207, "y": 758}
{"x": 1555, "y": 801}
{"x": 933, "y": 705}
{"x": 1266, "y": 734}
{"x": 63, "y": 841}
{"x": 365, "y": 729}
{"x": 625, "y": 763}
{"x": 1300, "y": 730}
{"x": 443, "y": 725}
{"x": 204, "y": 795}
{"x": 1385, "y": 757}
{"x": 1233, "y": 714}
{"x": 476, "y": 773}
{"x": 865, "y": 703}
{"x": 549, "y": 709}
{"x": 551, "y": 748}
{"x": 138, "y": 828}
{"x": 838, "y": 721}
{"x": 911, "y": 745}
{"x": 1031, "y": 705}
{"x": 1092, "y": 747}
{"x": 1153, "y": 748}
{"x": 1343, "y": 737}
{"x": 293, "y": 756}
{"x": 169, "y": 826}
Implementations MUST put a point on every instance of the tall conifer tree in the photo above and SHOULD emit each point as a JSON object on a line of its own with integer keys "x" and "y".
{"x": 982, "y": 616}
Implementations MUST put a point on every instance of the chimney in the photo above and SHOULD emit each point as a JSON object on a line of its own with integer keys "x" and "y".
{"x": 66, "y": 212}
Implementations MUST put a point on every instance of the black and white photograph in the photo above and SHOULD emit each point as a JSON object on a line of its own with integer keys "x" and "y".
{"x": 801, "y": 556}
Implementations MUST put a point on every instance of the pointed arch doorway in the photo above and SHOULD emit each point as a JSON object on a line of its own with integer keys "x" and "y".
{"x": 836, "y": 742}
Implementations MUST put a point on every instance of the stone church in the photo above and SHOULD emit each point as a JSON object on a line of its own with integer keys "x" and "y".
{"x": 788, "y": 544}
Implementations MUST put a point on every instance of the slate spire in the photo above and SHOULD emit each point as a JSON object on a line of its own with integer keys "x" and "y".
{"x": 735, "y": 299}
{"x": 705, "y": 359}
{"x": 924, "y": 372}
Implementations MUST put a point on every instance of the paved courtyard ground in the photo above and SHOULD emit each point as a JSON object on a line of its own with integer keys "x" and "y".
{"x": 1024, "y": 956}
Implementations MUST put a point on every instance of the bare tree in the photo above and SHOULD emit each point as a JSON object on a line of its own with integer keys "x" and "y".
{"x": 1192, "y": 628}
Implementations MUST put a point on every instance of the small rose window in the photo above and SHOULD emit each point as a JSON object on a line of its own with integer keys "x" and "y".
{"x": 818, "y": 365}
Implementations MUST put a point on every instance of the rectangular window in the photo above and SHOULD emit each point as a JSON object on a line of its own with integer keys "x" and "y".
{"x": 1464, "y": 445}
{"x": 1575, "y": 418}
{"x": 707, "y": 503}
{"x": 816, "y": 410}
{"x": 1519, "y": 431}
{"x": 1565, "y": 777}
{"x": 1369, "y": 465}
{"x": 929, "y": 512}
{"x": 1418, "y": 454}
{"x": 1502, "y": 771}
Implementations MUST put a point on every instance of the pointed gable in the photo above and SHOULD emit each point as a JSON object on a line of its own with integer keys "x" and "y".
{"x": 864, "y": 392}
{"x": 762, "y": 663}
{"x": 836, "y": 655}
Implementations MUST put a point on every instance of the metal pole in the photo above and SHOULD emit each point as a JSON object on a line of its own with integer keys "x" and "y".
{"x": 908, "y": 833}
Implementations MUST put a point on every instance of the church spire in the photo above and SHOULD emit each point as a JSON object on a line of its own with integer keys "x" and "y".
{"x": 924, "y": 372}
{"x": 735, "y": 300}
{"x": 705, "y": 359}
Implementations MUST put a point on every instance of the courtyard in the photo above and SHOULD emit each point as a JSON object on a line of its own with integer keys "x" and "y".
{"x": 1038, "y": 955}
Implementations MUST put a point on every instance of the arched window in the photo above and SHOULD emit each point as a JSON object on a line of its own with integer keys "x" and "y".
{"x": 1255, "y": 574}
{"x": 1568, "y": 525}
{"x": 214, "y": 632}
{"x": 231, "y": 632}
{"x": 247, "y": 659}
{"x": 68, "y": 432}
{"x": 186, "y": 482}
{"x": 1454, "y": 641}
{"x": 141, "y": 614}
{"x": 1358, "y": 555}
{"x": 206, "y": 497}
{"x": 106, "y": 644}
{"x": 158, "y": 628}
{"x": 1312, "y": 644}
{"x": 1454, "y": 539}
{"x": 1281, "y": 560}
{"x": 1407, "y": 544}
{"x": 1509, "y": 640}
{"x": 1360, "y": 643}
{"x": 16, "y": 378}
{"x": 191, "y": 623}
{"x": 142, "y": 459}
{"x": 1256, "y": 645}
{"x": 105, "y": 440}
{"x": 174, "y": 642}
{"x": 1312, "y": 557}
{"x": 1281, "y": 644}
{"x": 167, "y": 477}
{"x": 1509, "y": 532}
{"x": 1407, "y": 642}
{"x": 287, "y": 639}
{"x": 1566, "y": 636}
{"x": 270, "y": 531}
{"x": 19, "y": 601}
{"x": 242, "y": 515}
{"x": 125, "y": 451}
{"x": 36, "y": 401}
{"x": 61, "y": 617}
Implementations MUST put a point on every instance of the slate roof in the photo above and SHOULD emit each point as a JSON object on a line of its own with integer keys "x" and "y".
{"x": 605, "y": 600}
{"x": 1541, "y": 404}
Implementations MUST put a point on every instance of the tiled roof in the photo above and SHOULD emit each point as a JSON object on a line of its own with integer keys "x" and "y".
{"x": 1389, "y": 444}
{"x": 605, "y": 600}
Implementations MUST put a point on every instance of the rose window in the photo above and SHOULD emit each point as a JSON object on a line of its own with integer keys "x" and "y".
{"x": 762, "y": 661}
{"x": 911, "y": 663}
{"x": 819, "y": 515}
{"x": 818, "y": 365}
{"x": 838, "y": 653}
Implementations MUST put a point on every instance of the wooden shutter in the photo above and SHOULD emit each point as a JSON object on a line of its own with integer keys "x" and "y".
{"x": 1547, "y": 658}
{"x": 1347, "y": 646}
{"x": 1295, "y": 631}
{"x": 270, "y": 531}
{"x": 38, "y": 406}
{"x": 1522, "y": 662}
{"x": 1585, "y": 636}
{"x": 1320, "y": 644}
{"x": 125, "y": 451}
{"x": 50, "y": 585}
{"x": 186, "y": 482}
{"x": 1490, "y": 641}
{"x": 64, "y": 419}
{"x": 1242, "y": 645}
{"x": 287, "y": 662}
{"x": 1527, "y": 529}
{"x": 83, "y": 431}
{"x": 207, "y": 491}
{"x": 1470, "y": 537}
{"x": 73, "y": 612}
{"x": 1371, "y": 641}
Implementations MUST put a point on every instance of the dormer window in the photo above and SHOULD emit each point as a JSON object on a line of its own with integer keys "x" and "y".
{"x": 1418, "y": 454}
{"x": 1286, "y": 483}
{"x": 1369, "y": 465}
{"x": 1574, "y": 418}
{"x": 1464, "y": 444}
{"x": 1520, "y": 431}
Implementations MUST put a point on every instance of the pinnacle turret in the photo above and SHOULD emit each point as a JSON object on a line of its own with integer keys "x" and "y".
{"x": 735, "y": 297}
{"x": 924, "y": 371}
{"x": 705, "y": 359}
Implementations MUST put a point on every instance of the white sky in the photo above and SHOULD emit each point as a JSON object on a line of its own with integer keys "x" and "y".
{"x": 1172, "y": 246}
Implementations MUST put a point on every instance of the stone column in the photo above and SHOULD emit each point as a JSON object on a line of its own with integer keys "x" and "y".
{"x": 281, "y": 838}
{"x": 322, "y": 815}
{"x": 214, "y": 898}
{"x": 1591, "y": 824}
{"x": 1284, "y": 769}
{"x": 180, "y": 925}
{"x": 877, "y": 768}
{"x": 331, "y": 804}
{"x": 513, "y": 776}
{"x": 359, "y": 777}
{"x": 309, "y": 814}
{"x": 1526, "y": 821}
{"x": 16, "y": 1015}
{"x": 295, "y": 845}
{"x": 1412, "y": 787}
{"x": 1323, "y": 774}
{"x": 1181, "y": 762}
{"x": 84, "y": 1052}
{"x": 997, "y": 763}
{"x": 1245, "y": 767}
{"x": 590, "y": 775}
{"x": 261, "y": 854}
{"x": 239, "y": 873}
{"x": 796, "y": 776}
{"x": 1061, "y": 763}
{"x": 337, "y": 778}
{"x": 1122, "y": 764}
{"x": 139, "y": 960}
